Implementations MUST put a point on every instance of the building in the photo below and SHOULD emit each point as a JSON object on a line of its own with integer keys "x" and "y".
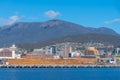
{"x": 66, "y": 50}
{"x": 13, "y": 47}
{"x": 7, "y": 54}
{"x": 75, "y": 54}
{"x": 54, "y": 50}
{"x": 116, "y": 51}
{"x": 91, "y": 51}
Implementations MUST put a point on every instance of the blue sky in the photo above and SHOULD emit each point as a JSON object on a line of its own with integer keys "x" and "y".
{"x": 90, "y": 13}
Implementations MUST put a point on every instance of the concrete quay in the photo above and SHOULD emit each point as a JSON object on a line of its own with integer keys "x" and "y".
{"x": 59, "y": 66}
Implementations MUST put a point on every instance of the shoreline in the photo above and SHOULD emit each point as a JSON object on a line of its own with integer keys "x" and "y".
{"x": 60, "y": 66}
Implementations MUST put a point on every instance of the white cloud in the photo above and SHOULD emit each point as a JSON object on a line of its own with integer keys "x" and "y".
{"x": 112, "y": 21}
{"x": 12, "y": 20}
{"x": 52, "y": 14}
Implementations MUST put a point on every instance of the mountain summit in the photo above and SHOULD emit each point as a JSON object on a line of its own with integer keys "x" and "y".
{"x": 30, "y": 32}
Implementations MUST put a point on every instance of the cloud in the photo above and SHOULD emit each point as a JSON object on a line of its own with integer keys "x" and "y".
{"x": 52, "y": 14}
{"x": 11, "y": 20}
{"x": 112, "y": 21}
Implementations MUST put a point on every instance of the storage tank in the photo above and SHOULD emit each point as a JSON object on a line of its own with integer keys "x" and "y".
{"x": 91, "y": 51}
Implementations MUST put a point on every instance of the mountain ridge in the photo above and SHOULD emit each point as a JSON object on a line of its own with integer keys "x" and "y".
{"x": 32, "y": 32}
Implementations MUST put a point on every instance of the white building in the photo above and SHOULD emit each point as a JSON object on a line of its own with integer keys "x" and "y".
{"x": 74, "y": 54}
{"x": 9, "y": 53}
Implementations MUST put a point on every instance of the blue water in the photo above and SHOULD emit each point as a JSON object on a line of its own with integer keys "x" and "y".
{"x": 59, "y": 73}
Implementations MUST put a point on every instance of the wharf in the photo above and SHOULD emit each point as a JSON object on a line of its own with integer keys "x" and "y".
{"x": 59, "y": 66}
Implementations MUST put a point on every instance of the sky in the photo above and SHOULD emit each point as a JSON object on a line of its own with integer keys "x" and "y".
{"x": 89, "y": 13}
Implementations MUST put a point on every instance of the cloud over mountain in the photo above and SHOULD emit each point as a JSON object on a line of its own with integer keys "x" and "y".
{"x": 9, "y": 21}
{"x": 12, "y": 20}
{"x": 52, "y": 14}
{"x": 112, "y": 21}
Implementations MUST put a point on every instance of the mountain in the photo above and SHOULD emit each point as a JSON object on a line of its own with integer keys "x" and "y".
{"x": 33, "y": 32}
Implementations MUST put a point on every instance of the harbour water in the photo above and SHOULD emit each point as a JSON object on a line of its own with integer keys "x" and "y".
{"x": 59, "y": 73}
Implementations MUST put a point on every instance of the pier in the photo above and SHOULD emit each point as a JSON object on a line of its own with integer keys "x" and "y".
{"x": 59, "y": 66}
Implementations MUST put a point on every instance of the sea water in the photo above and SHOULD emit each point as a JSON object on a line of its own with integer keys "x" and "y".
{"x": 59, "y": 73}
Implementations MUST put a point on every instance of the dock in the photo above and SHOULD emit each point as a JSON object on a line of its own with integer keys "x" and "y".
{"x": 59, "y": 66}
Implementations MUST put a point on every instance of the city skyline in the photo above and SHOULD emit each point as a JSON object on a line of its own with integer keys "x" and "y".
{"x": 89, "y": 13}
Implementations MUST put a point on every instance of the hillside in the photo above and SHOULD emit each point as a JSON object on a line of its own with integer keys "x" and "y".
{"x": 82, "y": 38}
{"x": 33, "y": 32}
